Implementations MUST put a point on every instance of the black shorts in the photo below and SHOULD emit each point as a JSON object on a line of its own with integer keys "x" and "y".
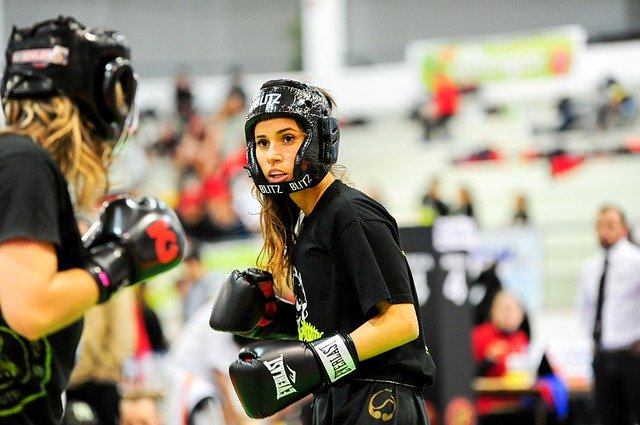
{"x": 370, "y": 403}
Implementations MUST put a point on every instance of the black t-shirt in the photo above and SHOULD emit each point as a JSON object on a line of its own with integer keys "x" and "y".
{"x": 35, "y": 204}
{"x": 348, "y": 258}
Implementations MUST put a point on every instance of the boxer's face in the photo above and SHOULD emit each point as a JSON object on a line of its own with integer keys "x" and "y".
{"x": 277, "y": 143}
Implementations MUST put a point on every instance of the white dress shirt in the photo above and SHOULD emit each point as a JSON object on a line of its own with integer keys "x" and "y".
{"x": 621, "y": 308}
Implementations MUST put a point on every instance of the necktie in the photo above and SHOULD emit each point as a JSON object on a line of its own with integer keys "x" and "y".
{"x": 597, "y": 326}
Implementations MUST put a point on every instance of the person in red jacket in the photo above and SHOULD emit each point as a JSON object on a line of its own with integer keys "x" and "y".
{"x": 493, "y": 342}
{"x": 442, "y": 105}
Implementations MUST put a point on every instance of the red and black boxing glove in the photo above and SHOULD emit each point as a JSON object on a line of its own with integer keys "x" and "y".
{"x": 134, "y": 239}
{"x": 247, "y": 305}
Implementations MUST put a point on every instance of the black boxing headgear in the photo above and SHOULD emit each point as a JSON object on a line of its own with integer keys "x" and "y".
{"x": 61, "y": 57}
{"x": 312, "y": 110}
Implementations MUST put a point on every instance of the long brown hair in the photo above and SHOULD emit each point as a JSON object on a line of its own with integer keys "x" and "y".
{"x": 278, "y": 219}
{"x": 56, "y": 124}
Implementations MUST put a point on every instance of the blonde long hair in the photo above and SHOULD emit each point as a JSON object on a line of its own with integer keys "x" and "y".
{"x": 56, "y": 124}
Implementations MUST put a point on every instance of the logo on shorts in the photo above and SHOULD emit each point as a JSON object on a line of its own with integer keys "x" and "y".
{"x": 382, "y": 405}
{"x": 282, "y": 380}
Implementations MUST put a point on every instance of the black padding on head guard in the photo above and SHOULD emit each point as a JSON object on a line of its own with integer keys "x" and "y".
{"x": 312, "y": 110}
{"x": 61, "y": 57}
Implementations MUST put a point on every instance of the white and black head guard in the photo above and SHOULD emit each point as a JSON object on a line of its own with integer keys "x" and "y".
{"x": 312, "y": 110}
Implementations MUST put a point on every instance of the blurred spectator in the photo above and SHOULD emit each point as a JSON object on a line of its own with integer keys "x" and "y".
{"x": 144, "y": 370}
{"x": 196, "y": 285}
{"x": 441, "y": 107}
{"x": 166, "y": 139}
{"x": 432, "y": 205}
{"x": 227, "y": 124}
{"x": 617, "y": 106}
{"x": 183, "y": 95}
{"x": 202, "y": 159}
{"x": 465, "y": 203}
{"x": 141, "y": 408}
{"x": 205, "y": 200}
{"x": 161, "y": 140}
{"x": 205, "y": 204}
{"x": 520, "y": 210}
{"x": 501, "y": 349}
{"x": 567, "y": 115}
{"x": 609, "y": 296}
{"x": 199, "y": 382}
{"x": 151, "y": 337}
{"x": 482, "y": 292}
{"x": 494, "y": 342}
{"x": 238, "y": 213}
{"x": 567, "y": 118}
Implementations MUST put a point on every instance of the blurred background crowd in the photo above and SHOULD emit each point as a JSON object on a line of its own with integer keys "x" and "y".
{"x": 528, "y": 157}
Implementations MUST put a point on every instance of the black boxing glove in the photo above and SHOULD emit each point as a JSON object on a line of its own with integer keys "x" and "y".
{"x": 272, "y": 374}
{"x": 247, "y": 305}
{"x": 246, "y": 300}
{"x": 133, "y": 240}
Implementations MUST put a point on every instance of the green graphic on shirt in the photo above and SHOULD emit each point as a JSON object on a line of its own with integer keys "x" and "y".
{"x": 25, "y": 370}
{"x": 308, "y": 332}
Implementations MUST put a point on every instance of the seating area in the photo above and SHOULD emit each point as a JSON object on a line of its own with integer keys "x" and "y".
{"x": 387, "y": 155}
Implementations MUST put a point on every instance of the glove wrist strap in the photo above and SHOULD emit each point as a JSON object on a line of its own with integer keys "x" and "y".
{"x": 102, "y": 280}
{"x": 109, "y": 266}
{"x": 337, "y": 354}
